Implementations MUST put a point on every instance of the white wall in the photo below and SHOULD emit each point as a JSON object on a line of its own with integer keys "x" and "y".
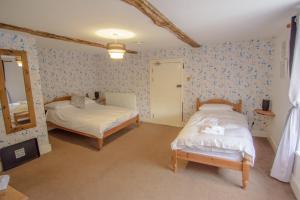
{"x": 280, "y": 86}
{"x": 280, "y": 101}
{"x": 295, "y": 183}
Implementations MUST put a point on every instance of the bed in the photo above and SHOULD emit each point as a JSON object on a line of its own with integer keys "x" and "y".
{"x": 19, "y": 112}
{"x": 94, "y": 120}
{"x": 227, "y": 143}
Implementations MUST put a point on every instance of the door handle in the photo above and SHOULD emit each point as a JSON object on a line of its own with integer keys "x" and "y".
{"x": 178, "y": 86}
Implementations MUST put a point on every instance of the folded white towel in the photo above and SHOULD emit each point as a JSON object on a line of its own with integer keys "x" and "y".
{"x": 214, "y": 130}
{"x": 211, "y": 126}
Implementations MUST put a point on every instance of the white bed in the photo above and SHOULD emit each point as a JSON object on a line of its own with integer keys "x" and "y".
{"x": 230, "y": 145}
{"x": 235, "y": 144}
{"x": 94, "y": 120}
{"x": 19, "y": 112}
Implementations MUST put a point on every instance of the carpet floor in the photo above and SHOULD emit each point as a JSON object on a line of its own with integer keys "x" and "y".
{"x": 134, "y": 165}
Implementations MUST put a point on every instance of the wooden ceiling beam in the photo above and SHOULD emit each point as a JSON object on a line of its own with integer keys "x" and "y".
{"x": 161, "y": 20}
{"x": 54, "y": 36}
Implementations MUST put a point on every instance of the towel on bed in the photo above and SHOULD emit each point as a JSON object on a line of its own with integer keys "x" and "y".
{"x": 236, "y": 137}
{"x": 211, "y": 126}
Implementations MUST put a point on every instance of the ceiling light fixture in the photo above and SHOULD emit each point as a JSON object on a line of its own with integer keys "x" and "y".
{"x": 113, "y": 33}
{"x": 116, "y": 50}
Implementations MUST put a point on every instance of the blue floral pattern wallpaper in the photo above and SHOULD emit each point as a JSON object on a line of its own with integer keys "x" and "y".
{"x": 17, "y": 41}
{"x": 66, "y": 72}
{"x": 230, "y": 70}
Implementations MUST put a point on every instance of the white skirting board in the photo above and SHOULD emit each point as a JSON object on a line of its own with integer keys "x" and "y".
{"x": 259, "y": 133}
{"x": 296, "y": 187}
{"x": 151, "y": 121}
{"x": 272, "y": 143}
{"x": 45, "y": 148}
{"x": 295, "y": 182}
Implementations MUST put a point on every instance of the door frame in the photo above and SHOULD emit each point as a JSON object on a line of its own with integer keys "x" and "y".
{"x": 172, "y": 60}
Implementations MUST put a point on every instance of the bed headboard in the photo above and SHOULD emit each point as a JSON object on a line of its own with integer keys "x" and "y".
{"x": 63, "y": 98}
{"x": 236, "y": 106}
{"x": 126, "y": 100}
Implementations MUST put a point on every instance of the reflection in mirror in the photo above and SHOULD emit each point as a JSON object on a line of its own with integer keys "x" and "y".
{"x": 15, "y": 91}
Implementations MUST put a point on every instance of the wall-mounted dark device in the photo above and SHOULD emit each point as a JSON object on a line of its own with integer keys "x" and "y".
{"x": 266, "y": 104}
{"x": 18, "y": 154}
{"x": 97, "y": 94}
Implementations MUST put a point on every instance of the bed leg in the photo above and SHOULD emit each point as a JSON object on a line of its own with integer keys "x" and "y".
{"x": 245, "y": 173}
{"x": 174, "y": 161}
{"x": 137, "y": 121}
{"x": 99, "y": 143}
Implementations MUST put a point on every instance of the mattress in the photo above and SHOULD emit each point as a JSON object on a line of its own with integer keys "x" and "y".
{"x": 233, "y": 156}
{"x": 94, "y": 119}
{"x": 235, "y": 144}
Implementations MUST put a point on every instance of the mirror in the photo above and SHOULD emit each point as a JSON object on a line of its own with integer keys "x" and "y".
{"x": 15, "y": 91}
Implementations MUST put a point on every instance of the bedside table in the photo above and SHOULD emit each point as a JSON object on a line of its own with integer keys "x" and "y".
{"x": 261, "y": 122}
{"x": 265, "y": 113}
{"x": 101, "y": 101}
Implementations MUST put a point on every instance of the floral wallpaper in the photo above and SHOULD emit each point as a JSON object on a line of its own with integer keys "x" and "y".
{"x": 12, "y": 40}
{"x": 66, "y": 72}
{"x": 230, "y": 70}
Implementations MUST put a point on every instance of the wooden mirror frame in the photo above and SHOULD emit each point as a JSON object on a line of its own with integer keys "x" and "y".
{"x": 3, "y": 96}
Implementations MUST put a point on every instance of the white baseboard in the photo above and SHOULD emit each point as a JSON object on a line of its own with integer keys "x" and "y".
{"x": 152, "y": 121}
{"x": 147, "y": 120}
{"x": 295, "y": 180}
{"x": 45, "y": 148}
{"x": 259, "y": 133}
{"x": 296, "y": 187}
{"x": 272, "y": 143}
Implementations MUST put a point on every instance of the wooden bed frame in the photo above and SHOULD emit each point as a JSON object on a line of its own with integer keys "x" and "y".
{"x": 134, "y": 120}
{"x": 243, "y": 166}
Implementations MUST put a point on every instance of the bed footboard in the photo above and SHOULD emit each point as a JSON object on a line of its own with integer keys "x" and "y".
{"x": 243, "y": 166}
{"x": 100, "y": 141}
{"x": 174, "y": 161}
{"x": 245, "y": 172}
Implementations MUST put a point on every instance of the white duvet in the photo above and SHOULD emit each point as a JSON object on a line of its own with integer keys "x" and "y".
{"x": 236, "y": 137}
{"x": 94, "y": 119}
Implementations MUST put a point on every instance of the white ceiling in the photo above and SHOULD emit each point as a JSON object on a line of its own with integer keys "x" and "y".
{"x": 220, "y": 20}
{"x": 203, "y": 20}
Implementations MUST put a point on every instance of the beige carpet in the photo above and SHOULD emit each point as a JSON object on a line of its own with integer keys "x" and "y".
{"x": 133, "y": 166}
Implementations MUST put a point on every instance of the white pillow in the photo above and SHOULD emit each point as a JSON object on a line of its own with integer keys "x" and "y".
{"x": 58, "y": 105}
{"x": 216, "y": 107}
{"x": 78, "y": 101}
{"x": 88, "y": 100}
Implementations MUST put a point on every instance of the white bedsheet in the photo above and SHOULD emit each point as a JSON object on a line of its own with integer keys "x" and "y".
{"x": 236, "y": 139}
{"x": 94, "y": 119}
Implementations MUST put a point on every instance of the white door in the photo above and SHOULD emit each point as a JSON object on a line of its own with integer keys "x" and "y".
{"x": 166, "y": 93}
